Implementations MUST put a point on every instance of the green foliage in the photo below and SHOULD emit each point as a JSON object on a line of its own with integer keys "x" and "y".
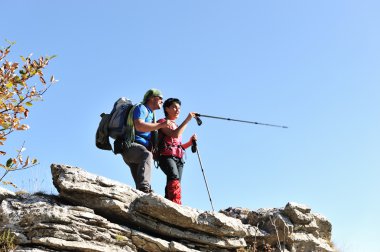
{"x": 7, "y": 241}
{"x": 16, "y": 97}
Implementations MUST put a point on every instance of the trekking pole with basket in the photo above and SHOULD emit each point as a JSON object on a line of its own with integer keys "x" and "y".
{"x": 195, "y": 149}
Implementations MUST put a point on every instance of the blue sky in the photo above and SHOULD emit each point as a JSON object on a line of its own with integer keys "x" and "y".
{"x": 310, "y": 65}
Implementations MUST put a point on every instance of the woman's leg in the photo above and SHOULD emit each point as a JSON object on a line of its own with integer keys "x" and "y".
{"x": 173, "y": 186}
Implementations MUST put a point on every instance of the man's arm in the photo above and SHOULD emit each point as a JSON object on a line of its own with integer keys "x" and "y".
{"x": 142, "y": 126}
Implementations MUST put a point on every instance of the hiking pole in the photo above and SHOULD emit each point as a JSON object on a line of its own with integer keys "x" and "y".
{"x": 199, "y": 121}
{"x": 195, "y": 149}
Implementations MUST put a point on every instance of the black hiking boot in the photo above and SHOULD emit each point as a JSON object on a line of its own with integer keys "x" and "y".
{"x": 146, "y": 190}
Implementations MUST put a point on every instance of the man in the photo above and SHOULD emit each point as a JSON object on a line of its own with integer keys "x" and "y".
{"x": 137, "y": 155}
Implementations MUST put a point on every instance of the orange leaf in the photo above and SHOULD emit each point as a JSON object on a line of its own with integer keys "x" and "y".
{"x": 26, "y": 162}
{"x": 42, "y": 80}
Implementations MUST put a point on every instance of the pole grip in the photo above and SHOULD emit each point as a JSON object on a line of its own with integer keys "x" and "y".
{"x": 194, "y": 146}
{"x": 199, "y": 121}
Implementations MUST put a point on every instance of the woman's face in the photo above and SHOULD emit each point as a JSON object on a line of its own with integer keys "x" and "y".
{"x": 173, "y": 111}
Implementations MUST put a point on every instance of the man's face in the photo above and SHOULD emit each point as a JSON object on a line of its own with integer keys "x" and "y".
{"x": 157, "y": 102}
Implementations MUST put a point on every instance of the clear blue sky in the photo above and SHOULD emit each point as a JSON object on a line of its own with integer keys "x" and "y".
{"x": 310, "y": 65}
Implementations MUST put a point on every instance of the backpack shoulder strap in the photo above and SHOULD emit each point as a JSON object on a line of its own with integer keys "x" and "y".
{"x": 130, "y": 132}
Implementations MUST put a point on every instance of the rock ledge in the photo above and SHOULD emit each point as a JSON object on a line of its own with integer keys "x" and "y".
{"x": 93, "y": 213}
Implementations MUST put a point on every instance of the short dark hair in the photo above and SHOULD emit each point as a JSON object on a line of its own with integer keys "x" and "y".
{"x": 169, "y": 102}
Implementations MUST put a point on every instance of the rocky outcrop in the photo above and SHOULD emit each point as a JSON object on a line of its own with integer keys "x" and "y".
{"x": 292, "y": 228}
{"x": 93, "y": 213}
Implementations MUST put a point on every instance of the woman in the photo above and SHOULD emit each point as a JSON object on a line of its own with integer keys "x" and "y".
{"x": 171, "y": 149}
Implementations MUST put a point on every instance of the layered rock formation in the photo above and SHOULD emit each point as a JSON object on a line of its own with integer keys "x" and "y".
{"x": 93, "y": 213}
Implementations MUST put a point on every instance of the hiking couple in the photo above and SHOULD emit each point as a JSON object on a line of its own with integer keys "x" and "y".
{"x": 170, "y": 149}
